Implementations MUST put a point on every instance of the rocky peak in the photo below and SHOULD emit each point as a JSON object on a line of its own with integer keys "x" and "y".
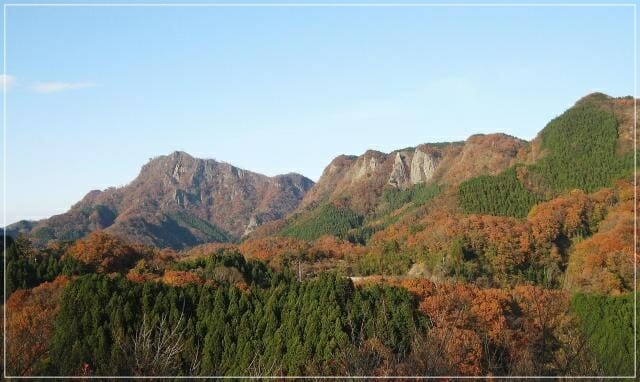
{"x": 424, "y": 164}
{"x": 399, "y": 176}
{"x": 178, "y": 200}
{"x": 365, "y": 166}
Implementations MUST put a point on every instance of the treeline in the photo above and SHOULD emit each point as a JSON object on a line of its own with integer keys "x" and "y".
{"x": 27, "y": 268}
{"x": 110, "y": 326}
{"x": 579, "y": 151}
{"x": 232, "y": 316}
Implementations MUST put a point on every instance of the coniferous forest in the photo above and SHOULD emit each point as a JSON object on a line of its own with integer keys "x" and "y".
{"x": 489, "y": 257}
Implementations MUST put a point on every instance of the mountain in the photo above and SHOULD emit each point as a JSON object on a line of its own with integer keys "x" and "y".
{"x": 177, "y": 201}
{"x": 447, "y": 249}
{"x": 586, "y": 147}
{"x": 355, "y": 192}
{"x": 358, "y": 182}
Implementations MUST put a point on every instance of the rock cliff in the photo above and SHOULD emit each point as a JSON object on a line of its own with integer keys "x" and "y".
{"x": 178, "y": 201}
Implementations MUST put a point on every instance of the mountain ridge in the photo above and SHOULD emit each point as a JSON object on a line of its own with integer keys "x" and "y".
{"x": 465, "y": 176}
{"x": 179, "y": 201}
{"x": 202, "y": 199}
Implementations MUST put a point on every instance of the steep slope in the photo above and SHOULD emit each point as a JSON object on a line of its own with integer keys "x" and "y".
{"x": 586, "y": 147}
{"x": 359, "y": 182}
{"x": 177, "y": 201}
{"x": 560, "y": 218}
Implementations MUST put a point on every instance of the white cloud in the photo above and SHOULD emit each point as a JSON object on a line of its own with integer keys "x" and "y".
{"x": 7, "y": 80}
{"x": 54, "y": 87}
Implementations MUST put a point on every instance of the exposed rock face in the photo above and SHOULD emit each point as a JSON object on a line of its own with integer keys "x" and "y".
{"x": 253, "y": 224}
{"x": 413, "y": 168}
{"x": 399, "y": 176}
{"x": 365, "y": 166}
{"x": 336, "y": 172}
{"x": 358, "y": 182}
{"x": 177, "y": 201}
{"x": 423, "y": 165}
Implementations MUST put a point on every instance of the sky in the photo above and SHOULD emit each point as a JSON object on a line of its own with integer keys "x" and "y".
{"x": 94, "y": 92}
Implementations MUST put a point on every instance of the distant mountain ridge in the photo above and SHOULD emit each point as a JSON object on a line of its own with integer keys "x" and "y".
{"x": 359, "y": 181}
{"x": 586, "y": 147}
{"x": 177, "y": 201}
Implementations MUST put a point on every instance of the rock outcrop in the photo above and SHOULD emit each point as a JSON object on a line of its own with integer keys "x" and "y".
{"x": 178, "y": 201}
{"x": 358, "y": 182}
{"x": 424, "y": 164}
{"x": 399, "y": 176}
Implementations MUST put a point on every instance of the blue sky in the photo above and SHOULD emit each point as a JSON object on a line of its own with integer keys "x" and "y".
{"x": 95, "y": 92}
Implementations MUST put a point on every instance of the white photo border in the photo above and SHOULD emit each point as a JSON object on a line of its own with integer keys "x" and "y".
{"x": 631, "y": 5}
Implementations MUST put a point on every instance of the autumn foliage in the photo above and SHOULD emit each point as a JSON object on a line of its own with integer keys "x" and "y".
{"x": 30, "y": 317}
{"x": 506, "y": 251}
{"x": 603, "y": 263}
{"x": 181, "y": 278}
{"x": 105, "y": 252}
{"x": 479, "y": 331}
{"x": 269, "y": 248}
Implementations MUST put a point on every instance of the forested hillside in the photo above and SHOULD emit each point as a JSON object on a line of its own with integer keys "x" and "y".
{"x": 489, "y": 257}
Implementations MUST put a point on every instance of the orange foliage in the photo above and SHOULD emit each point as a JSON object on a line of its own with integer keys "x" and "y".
{"x": 509, "y": 239}
{"x": 506, "y": 243}
{"x": 333, "y": 247}
{"x": 461, "y": 347}
{"x": 205, "y": 250}
{"x": 182, "y": 278}
{"x": 603, "y": 263}
{"x": 109, "y": 253}
{"x": 106, "y": 252}
{"x": 568, "y": 214}
{"x": 138, "y": 277}
{"x": 272, "y": 247}
{"x": 243, "y": 287}
{"x": 542, "y": 309}
{"x": 467, "y": 320}
{"x": 30, "y": 318}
